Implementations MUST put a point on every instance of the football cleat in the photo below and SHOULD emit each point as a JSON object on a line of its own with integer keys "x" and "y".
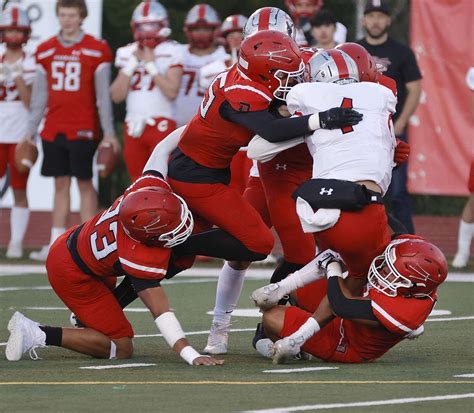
{"x": 460, "y": 260}
{"x": 259, "y": 334}
{"x": 14, "y": 250}
{"x": 25, "y": 335}
{"x": 218, "y": 338}
{"x": 268, "y": 296}
{"x": 265, "y": 348}
{"x": 75, "y": 322}
{"x": 285, "y": 349}
{"x": 40, "y": 255}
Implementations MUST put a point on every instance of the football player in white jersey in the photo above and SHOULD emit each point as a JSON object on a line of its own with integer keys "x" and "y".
{"x": 17, "y": 71}
{"x": 201, "y": 28}
{"x": 149, "y": 78}
{"x": 352, "y": 166}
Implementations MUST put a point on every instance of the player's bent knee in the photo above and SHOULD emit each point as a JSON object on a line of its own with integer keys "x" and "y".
{"x": 273, "y": 320}
{"x": 124, "y": 348}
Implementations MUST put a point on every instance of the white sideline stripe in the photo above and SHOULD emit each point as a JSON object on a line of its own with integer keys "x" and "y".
{"x": 471, "y": 317}
{"x": 118, "y": 366}
{"x": 253, "y": 273}
{"x": 196, "y": 333}
{"x": 301, "y": 370}
{"x": 363, "y": 404}
{"x": 467, "y": 376}
{"x": 40, "y": 287}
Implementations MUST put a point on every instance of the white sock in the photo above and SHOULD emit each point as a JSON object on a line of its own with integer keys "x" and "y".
{"x": 304, "y": 276}
{"x": 466, "y": 232}
{"x": 18, "y": 222}
{"x": 55, "y": 233}
{"x": 229, "y": 287}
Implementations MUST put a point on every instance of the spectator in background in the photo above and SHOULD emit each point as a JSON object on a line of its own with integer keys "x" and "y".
{"x": 302, "y": 11}
{"x": 400, "y": 64}
{"x": 72, "y": 78}
{"x": 149, "y": 78}
{"x": 466, "y": 224}
{"x": 17, "y": 70}
{"x": 323, "y": 29}
{"x": 201, "y": 27}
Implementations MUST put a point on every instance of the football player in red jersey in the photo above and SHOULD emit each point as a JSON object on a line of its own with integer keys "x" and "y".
{"x": 401, "y": 293}
{"x": 235, "y": 108}
{"x": 17, "y": 70}
{"x": 72, "y": 82}
{"x": 149, "y": 79}
{"x": 133, "y": 237}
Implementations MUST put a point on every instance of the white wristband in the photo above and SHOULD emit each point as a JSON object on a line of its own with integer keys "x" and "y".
{"x": 334, "y": 270}
{"x": 151, "y": 68}
{"x": 130, "y": 67}
{"x": 189, "y": 354}
{"x": 307, "y": 330}
{"x": 169, "y": 326}
{"x": 313, "y": 121}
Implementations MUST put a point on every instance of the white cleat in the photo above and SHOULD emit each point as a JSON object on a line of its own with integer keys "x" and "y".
{"x": 264, "y": 347}
{"x": 14, "y": 251}
{"x": 218, "y": 338}
{"x": 268, "y": 296}
{"x": 25, "y": 335}
{"x": 285, "y": 349}
{"x": 460, "y": 260}
{"x": 40, "y": 255}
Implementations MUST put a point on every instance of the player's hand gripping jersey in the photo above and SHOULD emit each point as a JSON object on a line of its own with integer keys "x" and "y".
{"x": 106, "y": 250}
{"x": 71, "y": 105}
{"x": 144, "y": 99}
{"x": 355, "y": 153}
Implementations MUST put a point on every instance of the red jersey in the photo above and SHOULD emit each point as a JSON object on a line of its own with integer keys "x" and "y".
{"x": 71, "y": 105}
{"x": 209, "y": 139}
{"x": 106, "y": 249}
{"x": 399, "y": 317}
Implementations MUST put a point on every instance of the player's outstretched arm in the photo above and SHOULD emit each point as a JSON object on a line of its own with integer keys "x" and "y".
{"x": 156, "y": 301}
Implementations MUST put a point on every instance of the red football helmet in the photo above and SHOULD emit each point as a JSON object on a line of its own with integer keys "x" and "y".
{"x": 156, "y": 217}
{"x": 14, "y": 18}
{"x": 365, "y": 62}
{"x": 269, "y": 18}
{"x": 201, "y": 15}
{"x": 332, "y": 66}
{"x": 272, "y": 59}
{"x": 311, "y": 7}
{"x": 408, "y": 267}
{"x": 150, "y": 24}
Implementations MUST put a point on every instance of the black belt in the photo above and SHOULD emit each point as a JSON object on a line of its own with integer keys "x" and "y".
{"x": 72, "y": 247}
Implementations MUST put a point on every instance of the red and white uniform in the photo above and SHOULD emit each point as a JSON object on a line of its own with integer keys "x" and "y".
{"x": 212, "y": 142}
{"x": 108, "y": 252}
{"x": 147, "y": 104}
{"x": 360, "y": 153}
{"x": 347, "y": 341}
{"x": 190, "y": 94}
{"x": 71, "y": 105}
{"x": 13, "y": 118}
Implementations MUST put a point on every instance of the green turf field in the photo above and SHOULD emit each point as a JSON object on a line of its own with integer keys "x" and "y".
{"x": 424, "y": 368}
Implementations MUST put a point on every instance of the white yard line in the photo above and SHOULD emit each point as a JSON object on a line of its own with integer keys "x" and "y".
{"x": 364, "y": 404}
{"x": 465, "y": 376}
{"x": 118, "y": 366}
{"x": 471, "y": 317}
{"x": 300, "y": 370}
{"x": 197, "y": 333}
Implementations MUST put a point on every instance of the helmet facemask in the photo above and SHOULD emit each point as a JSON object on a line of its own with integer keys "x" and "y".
{"x": 287, "y": 80}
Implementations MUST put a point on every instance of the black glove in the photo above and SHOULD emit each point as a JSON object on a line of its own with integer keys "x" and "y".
{"x": 336, "y": 118}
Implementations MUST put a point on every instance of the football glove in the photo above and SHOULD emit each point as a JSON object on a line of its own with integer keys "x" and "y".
{"x": 336, "y": 118}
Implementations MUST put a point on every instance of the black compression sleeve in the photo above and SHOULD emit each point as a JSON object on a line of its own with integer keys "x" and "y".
{"x": 350, "y": 309}
{"x": 140, "y": 284}
{"x": 269, "y": 126}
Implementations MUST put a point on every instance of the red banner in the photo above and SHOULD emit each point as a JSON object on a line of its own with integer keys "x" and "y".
{"x": 441, "y": 131}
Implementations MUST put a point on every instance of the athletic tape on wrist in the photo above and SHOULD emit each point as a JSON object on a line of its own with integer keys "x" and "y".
{"x": 313, "y": 121}
{"x": 189, "y": 354}
{"x": 169, "y": 326}
{"x": 334, "y": 270}
{"x": 130, "y": 67}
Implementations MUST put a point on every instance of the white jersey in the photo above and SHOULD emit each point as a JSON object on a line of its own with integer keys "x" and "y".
{"x": 189, "y": 96}
{"x": 145, "y": 99}
{"x": 363, "y": 152}
{"x": 210, "y": 71}
{"x": 13, "y": 113}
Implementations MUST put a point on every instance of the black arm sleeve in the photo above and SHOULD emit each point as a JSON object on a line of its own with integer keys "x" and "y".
{"x": 140, "y": 284}
{"x": 269, "y": 126}
{"x": 350, "y": 309}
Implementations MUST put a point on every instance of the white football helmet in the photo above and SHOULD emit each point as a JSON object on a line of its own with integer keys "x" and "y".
{"x": 269, "y": 18}
{"x": 150, "y": 24}
{"x": 236, "y": 22}
{"x": 332, "y": 66}
{"x": 14, "y": 18}
{"x": 201, "y": 15}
